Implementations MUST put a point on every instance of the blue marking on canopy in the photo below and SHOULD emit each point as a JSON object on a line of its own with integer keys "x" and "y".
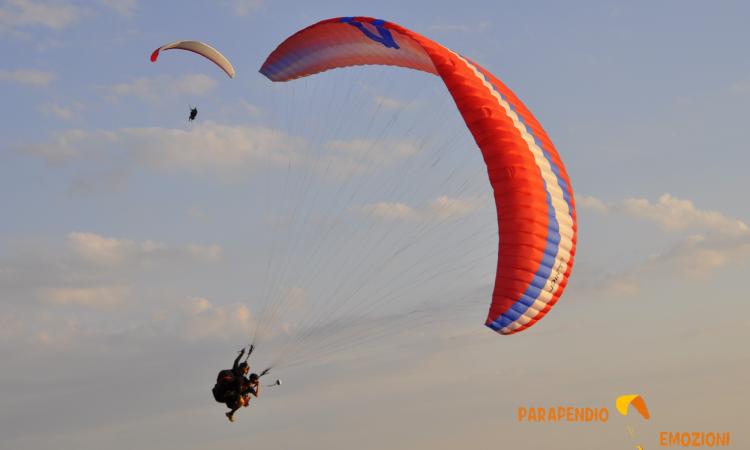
{"x": 385, "y": 37}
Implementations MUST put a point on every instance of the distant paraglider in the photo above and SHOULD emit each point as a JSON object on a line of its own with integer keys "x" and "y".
{"x": 202, "y": 49}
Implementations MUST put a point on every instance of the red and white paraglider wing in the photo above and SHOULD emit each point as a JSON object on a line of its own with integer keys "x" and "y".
{"x": 534, "y": 200}
{"x": 200, "y": 48}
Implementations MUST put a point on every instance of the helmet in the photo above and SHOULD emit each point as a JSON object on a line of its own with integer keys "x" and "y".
{"x": 244, "y": 366}
{"x": 254, "y": 377}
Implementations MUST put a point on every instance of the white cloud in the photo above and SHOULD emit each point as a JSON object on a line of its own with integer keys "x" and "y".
{"x": 101, "y": 250}
{"x": 708, "y": 240}
{"x": 354, "y": 156}
{"x": 55, "y": 110}
{"x": 213, "y": 149}
{"x": 208, "y": 253}
{"x": 27, "y": 76}
{"x": 390, "y": 210}
{"x": 671, "y": 214}
{"x": 390, "y": 102}
{"x": 42, "y": 331}
{"x": 442, "y": 207}
{"x": 104, "y": 251}
{"x": 123, "y": 7}
{"x": 155, "y": 88}
{"x": 248, "y": 107}
{"x": 716, "y": 241}
{"x": 204, "y": 148}
{"x": 583, "y": 201}
{"x": 28, "y": 13}
{"x": 621, "y": 286}
{"x": 245, "y": 7}
{"x": 373, "y": 150}
{"x": 69, "y": 145}
{"x": 97, "y": 297}
{"x": 692, "y": 259}
{"x": 203, "y": 320}
{"x": 217, "y": 147}
{"x": 700, "y": 255}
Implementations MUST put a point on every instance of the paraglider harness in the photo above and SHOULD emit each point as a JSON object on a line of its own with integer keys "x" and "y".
{"x": 229, "y": 388}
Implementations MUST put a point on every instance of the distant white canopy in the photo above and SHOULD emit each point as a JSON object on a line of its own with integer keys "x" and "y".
{"x": 202, "y": 49}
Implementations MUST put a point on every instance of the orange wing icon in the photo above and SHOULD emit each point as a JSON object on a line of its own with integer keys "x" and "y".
{"x": 623, "y": 402}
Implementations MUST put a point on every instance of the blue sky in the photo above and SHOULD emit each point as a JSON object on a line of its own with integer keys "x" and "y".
{"x": 137, "y": 251}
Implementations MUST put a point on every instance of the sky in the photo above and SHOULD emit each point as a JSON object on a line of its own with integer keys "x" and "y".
{"x": 345, "y": 224}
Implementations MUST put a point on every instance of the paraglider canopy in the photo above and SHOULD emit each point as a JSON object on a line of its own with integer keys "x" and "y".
{"x": 200, "y": 48}
{"x": 536, "y": 216}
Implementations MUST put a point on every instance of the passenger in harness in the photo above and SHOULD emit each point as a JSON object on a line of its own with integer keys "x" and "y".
{"x": 233, "y": 387}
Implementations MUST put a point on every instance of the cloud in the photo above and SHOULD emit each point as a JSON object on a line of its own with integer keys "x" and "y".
{"x": 27, "y": 13}
{"x": 205, "y": 148}
{"x": 155, "y": 88}
{"x": 203, "y": 320}
{"x": 583, "y": 201}
{"x": 207, "y": 253}
{"x": 716, "y": 241}
{"x": 699, "y": 255}
{"x": 209, "y": 148}
{"x": 96, "y": 298}
{"x": 390, "y": 102}
{"x": 249, "y": 108}
{"x": 373, "y": 150}
{"x": 671, "y": 214}
{"x": 383, "y": 101}
{"x": 101, "y": 250}
{"x": 55, "y": 110}
{"x": 390, "y": 210}
{"x": 442, "y": 207}
{"x": 692, "y": 259}
{"x": 245, "y": 7}
{"x": 122, "y": 7}
{"x": 120, "y": 283}
{"x": 27, "y": 76}
{"x": 350, "y": 157}
{"x": 42, "y": 331}
{"x": 104, "y": 251}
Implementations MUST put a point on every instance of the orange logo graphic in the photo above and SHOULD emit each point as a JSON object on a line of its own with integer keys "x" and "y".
{"x": 624, "y": 402}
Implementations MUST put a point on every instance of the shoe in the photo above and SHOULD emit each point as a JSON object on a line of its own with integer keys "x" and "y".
{"x": 230, "y": 416}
